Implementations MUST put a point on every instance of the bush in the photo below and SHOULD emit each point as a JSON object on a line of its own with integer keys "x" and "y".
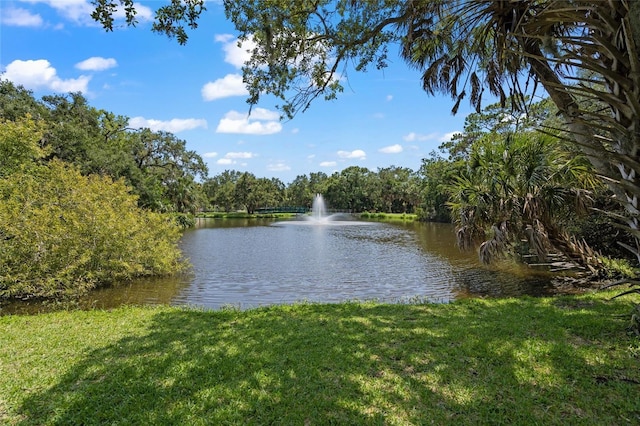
{"x": 185, "y": 220}
{"x": 602, "y": 234}
{"x": 617, "y": 268}
{"x": 62, "y": 233}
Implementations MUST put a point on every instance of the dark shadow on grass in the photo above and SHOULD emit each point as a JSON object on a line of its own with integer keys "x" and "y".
{"x": 351, "y": 364}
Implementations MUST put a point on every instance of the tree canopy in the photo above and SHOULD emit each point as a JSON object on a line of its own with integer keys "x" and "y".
{"x": 158, "y": 167}
{"x": 62, "y": 233}
{"x": 74, "y": 211}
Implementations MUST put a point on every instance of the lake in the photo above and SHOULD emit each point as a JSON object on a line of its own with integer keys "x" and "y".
{"x": 246, "y": 263}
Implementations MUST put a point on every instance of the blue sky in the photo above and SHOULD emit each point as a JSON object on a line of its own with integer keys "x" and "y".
{"x": 382, "y": 119}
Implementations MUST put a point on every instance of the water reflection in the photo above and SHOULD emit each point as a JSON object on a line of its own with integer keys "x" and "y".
{"x": 473, "y": 278}
{"x": 248, "y": 263}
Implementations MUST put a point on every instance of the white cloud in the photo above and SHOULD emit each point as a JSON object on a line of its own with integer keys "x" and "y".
{"x": 328, "y": 164}
{"x": 264, "y": 114}
{"x": 234, "y": 54}
{"x": 240, "y": 155}
{"x": 411, "y": 137}
{"x": 231, "y": 158}
{"x": 79, "y": 11}
{"x": 143, "y": 13}
{"x": 96, "y": 63}
{"x": 295, "y": 131}
{"x": 20, "y": 18}
{"x": 447, "y": 136}
{"x": 391, "y": 149}
{"x": 389, "y": 98}
{"x": 278, "y": 167}
{"x": 229, "y": 85}
{"x": 224, "y": 38}
{"x": 261, "y": 122}
{"x": 174, "y": 125}
{"x": 418, "y": 137}
{"x": 358, "y": 153}
{"x": 210, "y": 154}
{"x": 39, "y": 74}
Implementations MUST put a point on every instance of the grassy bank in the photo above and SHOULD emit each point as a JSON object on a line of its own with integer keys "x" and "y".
{"x": 243, "y": 215}
{"x": 545, "y": 361}
{"x": 407, "y": 217}
{"x": 365, "y": 215}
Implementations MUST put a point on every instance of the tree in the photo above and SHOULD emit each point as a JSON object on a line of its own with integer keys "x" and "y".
{"x": 157, "y": 165}
{"x": 170, "y": 19}
{"x": 16, "y": 102}
{"x": 167, "y": 171}
{"x": 437, "y": 174}
{"x": 73, "y": 128}
{"x": 62, "y": 233}
{"x": 520, "y": 187}
{"x": 220, "y": 190}
{"x": 19, "y": 144}
{"x": 318, "y": 183}
{"x": 398, "y": 189}
{"x": 501, "y": 119}
{"x": 246, "y": 192}
{"x": 276, "y": 192}
{"x": 351, "y": 189}
{"x": 495, "y": 122}
{"x": 299, "y": 192}
{"x": 462, "y": 48}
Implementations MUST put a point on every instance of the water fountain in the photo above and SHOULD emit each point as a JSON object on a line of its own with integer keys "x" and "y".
{"x": 320, "y": 216}
{"x": 318, "y": 210}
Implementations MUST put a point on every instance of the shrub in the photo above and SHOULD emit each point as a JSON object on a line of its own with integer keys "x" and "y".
{"x": 62, "y": 233}
{"x": 19, "y": 144}
{"x": 617, "y": 268}
{"x": 185, "y": 220}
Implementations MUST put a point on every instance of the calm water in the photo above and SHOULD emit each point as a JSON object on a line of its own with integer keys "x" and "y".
{"x": 250, "y": 263}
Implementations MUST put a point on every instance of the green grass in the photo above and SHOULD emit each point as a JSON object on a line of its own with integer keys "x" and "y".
{"x": 547, "y": 361}
{"x": 243, "y": 215}
{"x": 389, "y": 216}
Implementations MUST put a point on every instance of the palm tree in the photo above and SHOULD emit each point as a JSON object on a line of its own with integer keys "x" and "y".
{"x": 520, "y": 188}
{"x": 581, "y": 52}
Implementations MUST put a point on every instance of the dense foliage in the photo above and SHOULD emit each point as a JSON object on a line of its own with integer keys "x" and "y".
{"x": 354, "y": 189}
{"x": 521, "y": 188}
{"x": 64, "y": 233}
{"x": 65, "y": 228}
{"x": 156, "y": 165}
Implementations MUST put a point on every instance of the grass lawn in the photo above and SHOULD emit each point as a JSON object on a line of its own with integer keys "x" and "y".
{"x": 244, "y": 215}
{"x": 564, "y": 361}
{"x": 405, "y": 217}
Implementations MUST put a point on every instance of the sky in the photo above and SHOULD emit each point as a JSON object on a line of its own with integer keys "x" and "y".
{"x": 195, "y": 91}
